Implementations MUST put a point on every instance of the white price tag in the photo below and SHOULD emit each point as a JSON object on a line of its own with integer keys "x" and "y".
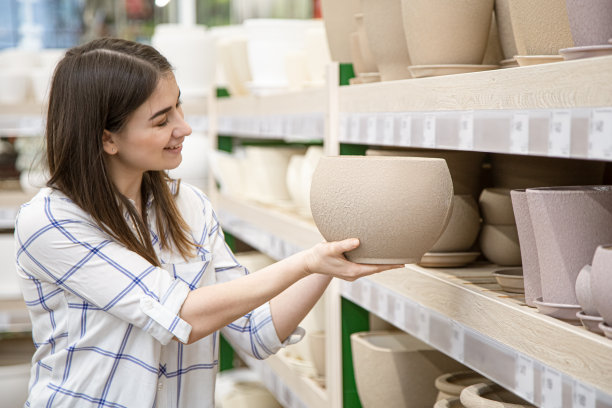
{"x": 405, "y": 130}
{"x": 552, "y": 389}
{"x": 524, "y": 377}
{"x": 559, "y": 133}
{"x": 371, "y": 130}
{"x": 366, "y": 298}
{"x": 355, "y": 127}
{"x": 600, "y": 134}
{"x": 382, "y": 304}
{"x": 457, "y": 341}
{"x": 423, "y": 324}
{"x": 389, "y": 130}
{"x": 519, "y": 133}
{"x": 429, "y": 131}
{"x": 372, "y": 302}
{"x": 344, "y": 128}
{"x": 584, "y": 396}
{"x": 466, "y": 131}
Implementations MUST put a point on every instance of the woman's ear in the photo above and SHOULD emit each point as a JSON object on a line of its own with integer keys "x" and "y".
{"x": 108, "y": 143}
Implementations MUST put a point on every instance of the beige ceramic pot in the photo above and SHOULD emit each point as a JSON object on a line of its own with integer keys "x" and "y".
{"x": 504, "y": 25}
{"x": 361, "y": 53}
{"x": 590, "y": 22}
{"x": 496, "y": 206}
{"x": 249, "y": 395}
{"x": 529, "y": 252}
{"x": 15, "y": 363}
{"x": 339, "y": 24}
{"x": 491, "y": 396}
{"x": 462, "y": 228}
{"x": 500, "y": 244}
{"x": 316, "y": 342}
{"x": 394, "y": 369}
{"x": 568, "y": 223}
{"x": 449, "y": 403}
{"x": 601, "y": 284}
{"x": 540, "y": 27}
{"x": 396, "y": 206}
{"x": 385, "y": 32}
{"x": 446, "y": 31}
{"x": 450, "y": 385}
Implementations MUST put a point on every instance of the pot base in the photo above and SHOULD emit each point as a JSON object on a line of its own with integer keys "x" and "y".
{"x": 381, "y": 261}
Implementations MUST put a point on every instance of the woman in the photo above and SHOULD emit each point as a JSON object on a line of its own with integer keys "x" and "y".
{"x": 125, "y": 272}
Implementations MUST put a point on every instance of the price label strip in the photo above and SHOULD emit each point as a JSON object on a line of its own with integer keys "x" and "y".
{"x": 584, "y": 396}
{"x": 524, "y": 377}
{"x": 382, "y": 303}
{"x": 559, "y": 133}
{"x": 343, "y": 128}
{"x": 355, "y": 128}
{"x": 466, "y": 131}
{"x": 429, "y": 131}
{"x": 552, "y": 389}
{"x": 457, "y": 341}
{"x": 600, "y": 134}
{"x": 423, "y": 324}
{"x": 389, "y": 130}
{"x": 372, "y": 133}
{"x": 519, "y": 133}
{"x": 405, "y": 134}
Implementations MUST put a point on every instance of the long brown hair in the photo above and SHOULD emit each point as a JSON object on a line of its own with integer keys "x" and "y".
{"x": 97, "y": 86}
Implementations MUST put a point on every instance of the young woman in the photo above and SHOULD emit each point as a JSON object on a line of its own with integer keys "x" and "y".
{"x": 125, "y": 272}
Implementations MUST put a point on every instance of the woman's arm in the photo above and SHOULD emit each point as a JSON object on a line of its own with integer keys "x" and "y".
{"x": 209, "y": 308}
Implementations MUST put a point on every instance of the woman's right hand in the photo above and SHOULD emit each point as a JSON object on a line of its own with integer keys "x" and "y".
{"x": 328, "y": 258}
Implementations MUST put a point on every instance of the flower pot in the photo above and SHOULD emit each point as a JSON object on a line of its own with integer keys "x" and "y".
{"x": 568, "y": 223}
{"x": 583, "y": 291}
{"x": 449, "y": 403}
{"x": 339, "y": 24}
{"x": 500, "y": 244}
{"x": 446, "y": 31}
{"x": 394, "y": 369}
{"x": 496, "y": 206}
{"x": 590, "y": 22}
{"x": 529, "y": 252}
{"x": 396, "y": 206}
{"x": 384, "y": 29}
{"x": 316, "y": 343}
{"x": 491, "y": 396}
{"x": 450, "y": 385}
{"x": 462, "y": 228}
{"x": 361, "y": 53}
{"x": 504, "y": 24}
{"x": 601, "y": 284}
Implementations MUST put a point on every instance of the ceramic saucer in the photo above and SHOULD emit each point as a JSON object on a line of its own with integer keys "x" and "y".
{"x": 586, "y": 51}
{"x": 369, "y": 77}
{"x": 448, "y": 259}
{"x": 559, "y": 311}
{"x": 422, "y": 71}
{"x": 524, "y": 60}
{"x": 607, "y": 330}
{"x": 510, "y": 280}
{"x": 591, "y": 323}
{"x": 508, "y": 63}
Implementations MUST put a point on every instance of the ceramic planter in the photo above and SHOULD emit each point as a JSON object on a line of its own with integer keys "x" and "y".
{"x": 450, "y": 385}
{"x": 339, "y": 24}
{"x": 462, "y": 228}
{"x": 496, "y": 206}
{"x": 446, "y": 31}
{"x": 601, "y": 284}
{"x": 449, "y": 403}
{"x": 540, "y": 27}
{"x": 316, "y": 343}
{"x": 385, "y": 32}
{"x": 15, "y": 365}
{"x": 583, "y": 292}
{"x": 504, "y": 25}
{"x": 529, "y": 253}
{"x": 394, "y": 369}
{"x": 361, "y": 53}
{"x": 396, "y": 206}
{"x": 249, "y": 395}
{"x": 590, "y": 22}
{"x": 491, "y": 396}
{"x": 568, "y": 224}
{"x": 500, "y": 244}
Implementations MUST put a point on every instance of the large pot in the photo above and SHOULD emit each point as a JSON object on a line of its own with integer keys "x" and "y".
{"x": 590, "y": 21}
{"x": 339, "y": 24}
{"x": 462, "y": 228}
{"x": 601, "y": 284}
{"x": 396, "y": 206}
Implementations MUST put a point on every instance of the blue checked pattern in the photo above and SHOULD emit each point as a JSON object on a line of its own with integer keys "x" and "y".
{"x": 104, "y": 318}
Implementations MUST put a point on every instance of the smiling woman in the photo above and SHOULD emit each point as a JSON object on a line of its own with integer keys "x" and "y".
{"x": 117, "y": 260}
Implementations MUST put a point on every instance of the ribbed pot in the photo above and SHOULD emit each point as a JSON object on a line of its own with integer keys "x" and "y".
{"x": 491, "y": 396}
{"x": 394, "y": 369}
{"x": 568, "y": 224}
{"x": 590, "y": 21}
{"x": 462, "y": 228}
{"x": 540, "y": 27}
{"x": 339, "y": 24}
{"x": 384, "y": 28}
{"x": 601, "y": 284}
{"x": 446, "y": 31}
{"x": 396, "y": 206}
{"x": 529, "y": 252}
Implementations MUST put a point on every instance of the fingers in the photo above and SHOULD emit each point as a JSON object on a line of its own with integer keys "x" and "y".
{"x": 347, "y": 244}
{"x": 355, "y": 271}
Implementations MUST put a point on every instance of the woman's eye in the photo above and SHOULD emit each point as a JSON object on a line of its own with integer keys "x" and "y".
{"x": 162, "y": 124}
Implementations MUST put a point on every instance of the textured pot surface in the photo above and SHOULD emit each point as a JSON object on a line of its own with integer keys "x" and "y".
{"x": 529, "y": 252}
{"x": 569, "y": 223}
{"x": 385, "y": 32}
{"x": 504, "y": 24}
{"x": 452, "y": 384}
{"x": 394, "y": 369}
{"x": 491, "y": 396}
{"x": 583, "y": 291}
{"x": 496, "y": 206}
{"x": 500, "y": 244}
{"x": 339, "y": 24}
{"x": 396, "y": 206}
{"x": 462, "y": 228}
{"x": 446, "y": 31}
{"x": 365, "y": 51}
{"x": 449, "y": 403}
{"x": 601, "y": 282}
{"x": 590, "y": 21}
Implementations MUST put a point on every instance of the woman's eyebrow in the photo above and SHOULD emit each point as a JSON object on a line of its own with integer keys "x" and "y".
{"x": 165, "y": 110}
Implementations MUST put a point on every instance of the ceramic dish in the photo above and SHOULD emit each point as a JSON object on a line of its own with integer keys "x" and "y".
{"x": 422, "y": 71}
{"x": 525, "y": 60}
{"x": 607, "y": 330}
{"x": 511, "y": 280}
{"x": 559, "y": 311}
{"x": 586, "y": 51}
{"x": 591, "y": 323}
{"x": 448, "y": 259}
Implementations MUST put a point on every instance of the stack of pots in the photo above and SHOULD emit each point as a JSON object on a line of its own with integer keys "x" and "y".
{"x": 593, "y": 292}
{"x": 487, "y": 395}
{"x": 499, "y": 240}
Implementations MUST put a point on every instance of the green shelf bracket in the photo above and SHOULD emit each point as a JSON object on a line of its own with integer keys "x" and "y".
{"x": 223, "y": 93}
{"x": 226, "y": 354}
{"x": 346, "y": 73}
{"x": 354, "y": 319}
{"x": 225, "y": 143}
{"x": 353, "y": 149}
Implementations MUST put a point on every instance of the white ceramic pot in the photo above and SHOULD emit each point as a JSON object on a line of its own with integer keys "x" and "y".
{"x": 462, "y": 228}
{"x": 316, "y": 342}
{"x": 601, "y": 284}
{"x": 294, "y": 173}
{"x": 195, "y": 164}
{"x": 394, "y": 369}
{"x": 228, "y": 172}
{"x": 8, "y": 273}
{"x": 569, "y": 223}
{"x": 584, "y": 293}
{"x": 361, "y": 53}
{"x": 253, "y": 260}
{"x": 233, "y": 56}
{"x": 500, "y": 244}
{"x": 491, "y": 396}
{"x": 317, "y": 55}
{"x": 496, "y": 206}
{"x": 296, "y": 69}
{"x": 529, "y": 252}
{"x": 339, "y": 24}
{"x": 450, "y": 385}
{"x": 15, "y": 364}
{"x": 396, "y": 206}
{"x": 15, "y": 86}
{"x": 249, "y": 395}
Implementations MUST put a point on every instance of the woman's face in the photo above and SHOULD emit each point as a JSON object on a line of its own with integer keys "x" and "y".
{"x": 152, "y": 137}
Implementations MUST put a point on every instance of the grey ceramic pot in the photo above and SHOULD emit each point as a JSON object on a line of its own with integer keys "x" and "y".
{"x": 601, "y": 284}
{"x": 590, "y": 21}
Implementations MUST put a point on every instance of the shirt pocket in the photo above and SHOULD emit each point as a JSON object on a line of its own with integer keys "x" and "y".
{"x": 194, "y": 274}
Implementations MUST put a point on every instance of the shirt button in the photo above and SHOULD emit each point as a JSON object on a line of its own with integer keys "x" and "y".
{"x": 160, "y": 386}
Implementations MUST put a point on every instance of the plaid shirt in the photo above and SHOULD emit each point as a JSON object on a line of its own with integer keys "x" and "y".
{"x": 103, "y": 318}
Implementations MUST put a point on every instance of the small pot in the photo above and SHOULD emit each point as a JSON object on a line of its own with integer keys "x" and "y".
{"x": 491, "y": 396}
{"x": 601, "y": 284}
{"x": 500, "y": 244}
{"x": 496, "y": 206}
{"x": 450, "y": 385}
{"x": 583, "y": 292}
{"x": 462, "y": 228}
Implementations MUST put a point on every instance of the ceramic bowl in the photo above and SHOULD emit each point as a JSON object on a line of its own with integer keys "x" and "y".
{"x": 510, "y": 280}
{"x": 590, "y": 22}
{"x": 583, "y": 291}
{"x": 606, "y": 329}
{"x": 394, "y": 369}
{"x": 15, "y": 364}
{"x": 591, "y": 323}
{"x": 586, "y": 51}
{"x": 601, "y": 284}
{"x": 396, "y": 206}
{"x": 496, "y": 206}
{"x": 462, "y": 228}
{"x": 339, "y": 24}
{"x": 500, "y": 244}
{"x": 450, "y": 385}
{"x": 491, "y": 396}
{"x": 449, "y": 403}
